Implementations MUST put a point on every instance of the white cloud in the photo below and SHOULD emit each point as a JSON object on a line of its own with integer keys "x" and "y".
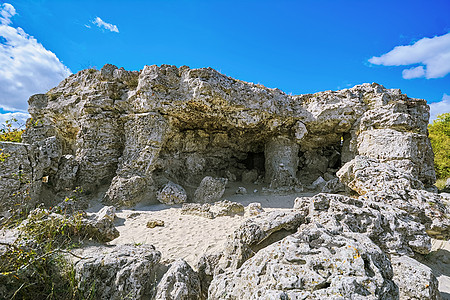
{"x": 102, "y": 24}
{"x": 416, "y": 72}
{"x": 440, "y": 107}
{"x": 6, "y": 12}
{"x": 19, "y": 116}
{"x": 433, "y": 53}
{"x": 26, "y": 67}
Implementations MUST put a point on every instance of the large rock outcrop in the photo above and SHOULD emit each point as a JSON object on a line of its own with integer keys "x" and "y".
{"x": 131, "y": 132}
{"x": 178, "y": 135}
{"x": 311, "y": 264}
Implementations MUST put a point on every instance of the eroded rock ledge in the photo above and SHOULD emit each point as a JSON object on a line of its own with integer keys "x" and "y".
{"x": 179, "y": 135}
{"x": 132, "y": 132}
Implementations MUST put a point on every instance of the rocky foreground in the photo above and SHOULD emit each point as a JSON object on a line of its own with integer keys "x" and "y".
{"x": 358, "y": 163}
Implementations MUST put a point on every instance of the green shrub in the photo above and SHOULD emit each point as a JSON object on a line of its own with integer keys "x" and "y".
{"x": 11, "y": 131}
{"x": 35, "y": 266}
{"x": 439, "y": 134}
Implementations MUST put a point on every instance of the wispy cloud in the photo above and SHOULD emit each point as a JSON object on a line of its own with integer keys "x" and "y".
{"x": 102, "y": 24}
{"x": 19, "y": 116}
{"x": 6, "y": 12}
{"x": 440, "y": 107}
{"x": 433, "y": 55}
{"x": 26, "y": 67}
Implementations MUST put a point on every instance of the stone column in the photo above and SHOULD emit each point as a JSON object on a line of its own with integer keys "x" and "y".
{"x": 281, "y": 154}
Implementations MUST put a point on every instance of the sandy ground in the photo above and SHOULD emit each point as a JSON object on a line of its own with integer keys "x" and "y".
{"x": 187, "y": 236}
{"x": 439, "y": 261}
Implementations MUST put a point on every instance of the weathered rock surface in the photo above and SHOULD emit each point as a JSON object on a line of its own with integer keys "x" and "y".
{"x": 414, "y": 280}
{"x": 16, "y": 175}
{"x": 314, "y": 264}
{"x": 210, "y": 189}
{"x": 132, "y": 132}
{"x": 363, "y": 175}
{"x": 393, "y": 230}
{"x": 254, "y": 209}
{"x": 128, "y": 137}
{"x": 172, "y": 193}
{"x": 254, "y": 234}
{"x": 124, "y": 271}
{"x": 211, "y": 211}
{"x": 101, "y": 225}
{"x": 180, "y": 282}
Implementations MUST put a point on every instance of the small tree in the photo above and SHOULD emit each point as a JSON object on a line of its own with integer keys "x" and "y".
{"x": 439, "y": 134}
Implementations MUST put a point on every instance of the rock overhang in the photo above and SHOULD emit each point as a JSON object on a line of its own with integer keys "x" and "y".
{"x": 136, "y": 130}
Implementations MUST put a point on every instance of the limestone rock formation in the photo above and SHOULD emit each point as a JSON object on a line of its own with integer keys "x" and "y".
{"x": 210, "y": 189}
{"x": 211, "y": 211}
{"x": 414, "y": 280}
{"x": 363, "y": 175}
{"x": 179, "y": 135}
{"x": 172, "y": 193}
{"x": 120, "y": 272}
{"x": 392, "y": 229}
{"x": 180, "y": 282}
{"x": 312, "y": 263}
{"x": 132, "y": 132}
{"x": 252, "y": 235}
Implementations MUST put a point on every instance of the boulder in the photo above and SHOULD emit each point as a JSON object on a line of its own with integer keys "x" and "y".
{"x": 227, "y": 208}
{"x": 312, "y": 263}
{"x": 211, "y": 211}
{"x": 101, "y": 225}
{"x": 197, "y": 209}
{"x": 364, "y": 174}
{"x": 180, "y": 282}
{"x": 393, "y": 230}
{"x": 415, "y": 281}
{"x": 253, "y": 209}
{"x": 241, "y": 191}
{"x": 172, "y": 193}
{"x": 249, "y": 176}
{"x": 210, "y": 189}
{"x": 251, "y": 236}
{"x": 118, "y": 272}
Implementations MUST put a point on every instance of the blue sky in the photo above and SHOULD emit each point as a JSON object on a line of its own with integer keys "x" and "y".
{"x": 297, "y": 46}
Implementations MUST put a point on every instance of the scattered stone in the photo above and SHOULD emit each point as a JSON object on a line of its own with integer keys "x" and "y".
{"x": 318, "y": 184}
{"x": 101, "y": 225}
{"x": 210, "y": 189}
{"x": 226, "y": 208}
{"x": 211, "y": 211}
{"x": 133, "y": 215}
{"x": 414, "y": 280}
{"x": 197, "y": 209}
{"x": 230, "y": 176}
{"x": 154, "y": 223}
{"x": 180, "y": 282}
{"x": 253, "y": 209}
{"x": 172, "y": 193}
{"x": 334, "y": 186}
{"x": 241, "y": 191}
{"x": 249, "y": 176}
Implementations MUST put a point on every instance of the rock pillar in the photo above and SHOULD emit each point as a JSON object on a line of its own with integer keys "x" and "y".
{"x": 281, "y": 154}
